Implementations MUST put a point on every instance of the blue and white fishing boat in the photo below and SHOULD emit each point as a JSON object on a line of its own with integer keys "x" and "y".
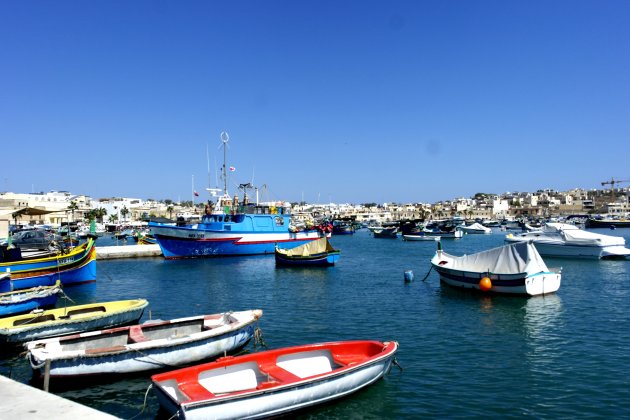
{"x": 231, "y": 228}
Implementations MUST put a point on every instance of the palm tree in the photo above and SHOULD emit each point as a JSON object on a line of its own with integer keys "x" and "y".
{"x": 73, "y": 207}
{"x": 113, "y": 218}
{"x": 124, "y": 212}
{"x": 100, "y": 213}
{"x": 170, "y": 210}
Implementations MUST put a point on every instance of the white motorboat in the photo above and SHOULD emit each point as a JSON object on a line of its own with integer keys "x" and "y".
{"x": 565, "y": 240}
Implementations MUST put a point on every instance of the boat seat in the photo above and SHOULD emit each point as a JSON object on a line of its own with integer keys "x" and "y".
{"x": 195, "y": 391}
{"x": 347, "y": 359}
{"x": 278, "y": 373}
{"x": 136, "y": 335}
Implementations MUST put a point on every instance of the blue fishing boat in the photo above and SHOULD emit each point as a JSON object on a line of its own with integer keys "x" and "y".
{"x": 23, "y": 301}
{"x": 231, "y": 228}
{"x": 77, "y": 266}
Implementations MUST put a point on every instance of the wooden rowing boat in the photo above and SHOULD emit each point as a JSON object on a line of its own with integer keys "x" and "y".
{"x": 152, "y": 345}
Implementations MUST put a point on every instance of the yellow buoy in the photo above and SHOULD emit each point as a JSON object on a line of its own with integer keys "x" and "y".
{"x": 485, "y": 284}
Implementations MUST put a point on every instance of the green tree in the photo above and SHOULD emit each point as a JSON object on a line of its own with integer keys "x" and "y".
{"x": 73, "y": 207}
{"x": 124, "y": 212}
{"x": 170, "y": 210}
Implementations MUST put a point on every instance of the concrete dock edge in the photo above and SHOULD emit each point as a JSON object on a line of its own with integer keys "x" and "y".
{"x": 20, "y": 401}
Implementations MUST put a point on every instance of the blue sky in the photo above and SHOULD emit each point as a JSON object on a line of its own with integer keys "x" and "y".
{"x": 343, "y": 101}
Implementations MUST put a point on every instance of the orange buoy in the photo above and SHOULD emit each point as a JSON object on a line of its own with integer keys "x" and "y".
{"x": 485, "y": 284}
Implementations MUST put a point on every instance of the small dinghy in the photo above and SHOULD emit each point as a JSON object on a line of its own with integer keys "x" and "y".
{"x": 153, "y": 345}
{"x": 71, "y": 319}
{"x": 274, "y": 382}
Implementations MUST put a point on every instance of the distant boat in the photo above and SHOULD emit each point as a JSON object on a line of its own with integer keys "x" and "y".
{"x": 342, "y": 227}
{"x": 607, "y": 223}
{"x": 148, "y": 346}
{"x": 420, "y": 236}
{"x": 566, "y": 240}
{"x": 511, "y": 269}
{"x": 475, "y": 228}
{"x": 26, "y": 300}
{"x": 315, "y": 253}
{"x": 71, "y": 319}
{"x": 274, "y": 382}
{"x": 386, "y": 232}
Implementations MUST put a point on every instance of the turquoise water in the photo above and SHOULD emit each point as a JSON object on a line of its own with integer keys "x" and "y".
{"x": 463, "y": 355}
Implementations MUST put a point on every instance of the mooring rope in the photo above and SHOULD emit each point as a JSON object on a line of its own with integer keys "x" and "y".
{"x": 395, "y": 363}
{"x": 429, "y": 272}
{"x": 258, "y": 338}
{"x": 144, "y": 405}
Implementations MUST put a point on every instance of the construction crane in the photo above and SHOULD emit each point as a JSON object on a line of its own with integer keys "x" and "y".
{"x": 612, "y": 183}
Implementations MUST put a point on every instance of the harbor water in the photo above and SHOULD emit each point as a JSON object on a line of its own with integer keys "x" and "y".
{"x": 462, "y": 354}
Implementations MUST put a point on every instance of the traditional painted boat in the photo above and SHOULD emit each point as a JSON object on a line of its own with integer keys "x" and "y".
{"x": 566, "y": 240}
{"x": 319, "y": 253}
{"x": 153, "y": 345}
{"x": 230, "y": 228}
{"x": 274, "y": 382}
{"x": 77, "y": 266}
{"x": 147, "y": 240}
{"x": 71, "y": 319}
{"x": 512, "y": 269}
{"x": 22, "y": 301}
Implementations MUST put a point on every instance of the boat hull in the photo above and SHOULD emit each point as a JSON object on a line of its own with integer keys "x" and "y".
{"x": 267, "y": 400}
{"x": 326, "y": 259}
{"x": 181, "y": 242}
{"x": 514, "y": 284}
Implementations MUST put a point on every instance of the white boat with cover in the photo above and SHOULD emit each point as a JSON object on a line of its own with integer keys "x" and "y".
{"x": 512, "y": 269}
{"x": 566, "y": 240}
{"x": 475, "y": 228}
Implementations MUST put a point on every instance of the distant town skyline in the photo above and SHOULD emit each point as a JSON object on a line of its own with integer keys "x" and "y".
{"x": 355, "y": 101}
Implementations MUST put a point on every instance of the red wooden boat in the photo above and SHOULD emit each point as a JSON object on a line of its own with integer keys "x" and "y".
{"x": 273, "y": 382}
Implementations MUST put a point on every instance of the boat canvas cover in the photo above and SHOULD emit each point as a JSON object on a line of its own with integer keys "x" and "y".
{"x": 576, "y": 236}
{"x": 314, "y": 247}
{"x": 519, "y": 257}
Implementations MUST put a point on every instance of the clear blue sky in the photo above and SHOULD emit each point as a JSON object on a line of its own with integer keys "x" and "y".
{"x": 343, "y": 101}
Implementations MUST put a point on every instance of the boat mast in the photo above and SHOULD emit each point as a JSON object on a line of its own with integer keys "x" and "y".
{"x": 225, "y": 138}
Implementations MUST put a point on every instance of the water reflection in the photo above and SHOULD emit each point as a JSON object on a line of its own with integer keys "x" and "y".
{"x": 542, "y": 322}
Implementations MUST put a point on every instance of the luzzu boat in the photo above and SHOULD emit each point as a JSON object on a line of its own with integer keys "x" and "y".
{"x": 230, "y": 228}
{"x": 77, "y": 266}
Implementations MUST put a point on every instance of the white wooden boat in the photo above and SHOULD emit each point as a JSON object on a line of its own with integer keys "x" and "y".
{"x": 273, "y": 382}
{"x": 420, "y": 236}
{"x": 512, "y": 269}
{"x": 148, "y": 346}
{"x": 71, "y": 319}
